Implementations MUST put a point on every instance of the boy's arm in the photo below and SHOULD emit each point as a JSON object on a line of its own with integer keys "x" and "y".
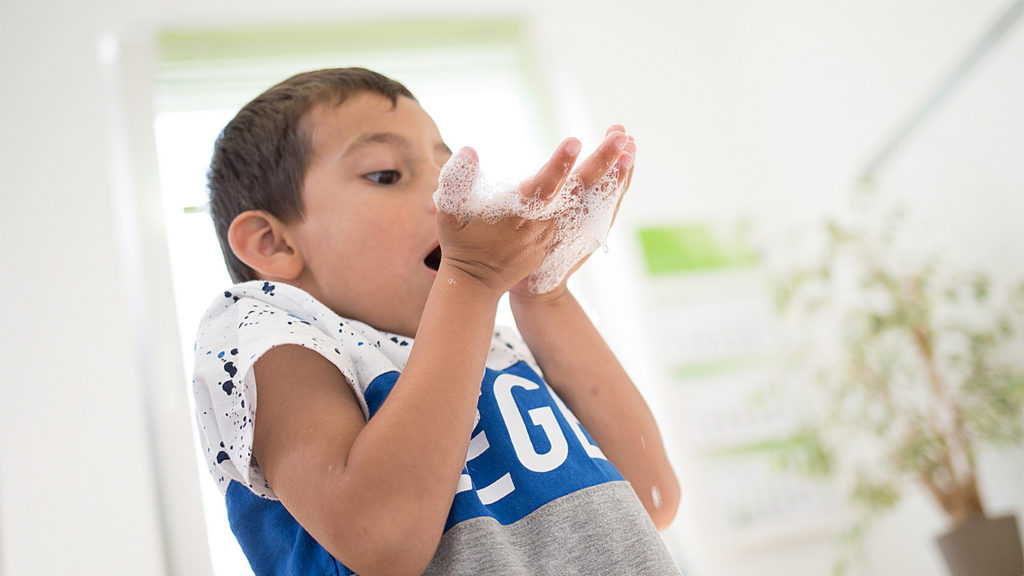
{"x": 578, "y": 364}
{"x": 581, "y": 368}
{"x": 376, "y": 494}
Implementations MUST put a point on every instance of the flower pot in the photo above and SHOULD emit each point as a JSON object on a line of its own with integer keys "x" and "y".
{"x": 983, "y": 546}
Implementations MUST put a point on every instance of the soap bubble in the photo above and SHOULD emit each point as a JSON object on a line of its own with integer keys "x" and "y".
{"x": 656, "y": 497}
{"x": 583, "y": 215}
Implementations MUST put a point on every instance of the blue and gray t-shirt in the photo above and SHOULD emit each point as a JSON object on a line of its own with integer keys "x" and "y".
{"x": 536, "y": 496}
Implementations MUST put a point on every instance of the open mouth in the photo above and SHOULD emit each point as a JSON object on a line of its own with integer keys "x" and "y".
{"x": 433, "y": 260}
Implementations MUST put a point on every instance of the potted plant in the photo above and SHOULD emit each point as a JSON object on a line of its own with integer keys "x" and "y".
{"x": 915, "y": 366}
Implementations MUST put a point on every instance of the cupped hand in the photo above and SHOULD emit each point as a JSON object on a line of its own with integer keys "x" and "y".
{"x": 614, "y": 157}
{"x": 499, "y": 253}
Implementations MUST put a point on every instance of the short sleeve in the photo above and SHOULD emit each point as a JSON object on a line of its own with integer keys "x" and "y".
{"x": 236, "y": 332}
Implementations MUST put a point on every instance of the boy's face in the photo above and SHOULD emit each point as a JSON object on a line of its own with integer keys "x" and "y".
{"x": 369, "y": 235}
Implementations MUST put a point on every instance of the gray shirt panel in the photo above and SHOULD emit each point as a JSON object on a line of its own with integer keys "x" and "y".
{"x": 598, "y": 530}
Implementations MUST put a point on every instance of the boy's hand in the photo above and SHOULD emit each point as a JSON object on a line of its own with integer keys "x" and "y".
{"x": 617, "y": 151}
{"x": 500, "y": 254}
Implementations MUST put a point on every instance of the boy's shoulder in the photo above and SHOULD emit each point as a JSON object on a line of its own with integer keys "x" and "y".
{"x": 250, "y": 318}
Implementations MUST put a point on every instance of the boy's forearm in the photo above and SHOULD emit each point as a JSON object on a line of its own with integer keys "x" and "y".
{"x": 579, "y": 365}
{"x": 434, "y": 401}
{"x": 413, "y": 450}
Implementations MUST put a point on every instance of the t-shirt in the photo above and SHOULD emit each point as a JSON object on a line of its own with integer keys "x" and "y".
{"x": 536, "y": 495}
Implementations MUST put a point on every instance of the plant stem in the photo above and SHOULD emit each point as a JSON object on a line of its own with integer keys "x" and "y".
{"x": 960, "y": 500}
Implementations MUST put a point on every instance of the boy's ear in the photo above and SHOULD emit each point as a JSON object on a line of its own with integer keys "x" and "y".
{"x": 263, "y": 242}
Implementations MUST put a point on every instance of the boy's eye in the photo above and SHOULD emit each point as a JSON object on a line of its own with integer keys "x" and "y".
{"x": 384, "y": 177}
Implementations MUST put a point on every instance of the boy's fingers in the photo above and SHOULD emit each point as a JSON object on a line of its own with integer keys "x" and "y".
{"x": 455, "y": 185}
{"x": 553, "y": 174}
{"x": 625, "y": 163}
{"x": 460, "y": 172}
{"x": 617, "y": 146}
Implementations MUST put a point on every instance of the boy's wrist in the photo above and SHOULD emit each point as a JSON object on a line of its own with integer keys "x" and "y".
{"x": 456, "y": 276}
{"x": 519, "y": 299}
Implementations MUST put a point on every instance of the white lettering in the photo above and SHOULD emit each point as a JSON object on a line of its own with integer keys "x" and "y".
{"x": 496, "y": 491}
{"x": 477, "y": 445}
{"x": 543, "y": 417}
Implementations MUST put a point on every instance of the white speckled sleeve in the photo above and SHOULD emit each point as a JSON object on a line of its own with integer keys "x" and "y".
{"x": 236, "y": 332}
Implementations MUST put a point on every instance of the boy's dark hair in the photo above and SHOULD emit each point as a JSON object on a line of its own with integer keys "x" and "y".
{"x": 260, "y": 158}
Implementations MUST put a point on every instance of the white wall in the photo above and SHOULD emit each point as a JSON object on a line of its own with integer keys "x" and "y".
{"x": 739, "y": 106}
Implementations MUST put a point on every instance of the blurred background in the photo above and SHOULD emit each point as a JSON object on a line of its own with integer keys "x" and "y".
{"x": 757, "y": 122}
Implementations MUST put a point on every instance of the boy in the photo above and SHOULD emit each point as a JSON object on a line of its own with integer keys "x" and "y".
{"x": 365, "y": 452}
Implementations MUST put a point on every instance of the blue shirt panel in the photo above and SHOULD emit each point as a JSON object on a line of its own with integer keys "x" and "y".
{"x": 532, "y": 489}
{"x": 273, "y": 541}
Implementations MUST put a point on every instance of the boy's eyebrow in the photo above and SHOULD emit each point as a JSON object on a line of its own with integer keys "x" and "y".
{"x": 376, "y": 138}
{"x": 387, "y": 138}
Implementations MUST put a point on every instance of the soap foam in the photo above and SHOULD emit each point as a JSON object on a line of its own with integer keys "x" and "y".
{"x": 583, "y": 215}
